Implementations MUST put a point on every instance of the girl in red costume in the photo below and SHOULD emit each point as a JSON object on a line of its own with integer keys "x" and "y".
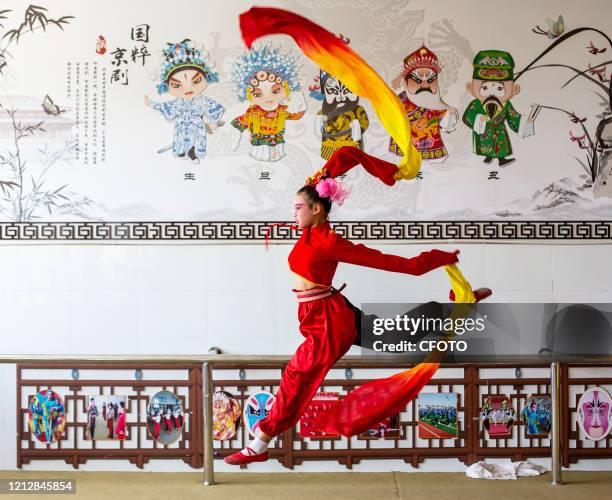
{"x": 327, "y": 319}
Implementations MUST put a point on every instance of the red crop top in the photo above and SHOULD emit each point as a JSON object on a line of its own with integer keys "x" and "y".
{"x": 317, "y": 253}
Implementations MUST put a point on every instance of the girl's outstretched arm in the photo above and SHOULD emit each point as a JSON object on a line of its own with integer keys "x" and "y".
{"x": 343, "y": 250}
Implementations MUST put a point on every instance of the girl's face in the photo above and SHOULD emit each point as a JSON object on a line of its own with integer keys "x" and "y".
{"x": 305, "y": 213}
{"x": 187, "y": 83}
{"x": 268, "y": 95}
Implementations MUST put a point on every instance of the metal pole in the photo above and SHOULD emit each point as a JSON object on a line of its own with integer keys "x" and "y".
{"x": 207, "y": 384}
{"x": 555, "y": 443}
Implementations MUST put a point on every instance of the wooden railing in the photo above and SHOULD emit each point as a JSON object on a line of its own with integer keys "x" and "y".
{"x": 241, "y": 375}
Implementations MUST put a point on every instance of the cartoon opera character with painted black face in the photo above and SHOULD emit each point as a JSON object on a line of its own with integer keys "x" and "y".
{"x": 427, "y": 112}
{"x": 268, "y": 79}
{"x": 185, "y": 75}
{"x": 341, "y": 120}
{"x": 493, "y": 86}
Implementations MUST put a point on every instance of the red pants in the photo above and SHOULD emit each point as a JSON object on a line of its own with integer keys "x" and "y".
{"x": 328, "y": 324}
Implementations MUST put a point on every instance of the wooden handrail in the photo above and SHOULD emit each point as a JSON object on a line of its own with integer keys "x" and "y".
{"x": 239, "y": 359}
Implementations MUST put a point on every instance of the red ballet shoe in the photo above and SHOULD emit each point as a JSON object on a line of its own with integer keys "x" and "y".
{"x": 240, "y": 458}
{"x": 479, "y": 294}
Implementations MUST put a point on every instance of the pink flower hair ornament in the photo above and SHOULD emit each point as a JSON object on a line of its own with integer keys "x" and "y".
{"x": 332, "y": 189}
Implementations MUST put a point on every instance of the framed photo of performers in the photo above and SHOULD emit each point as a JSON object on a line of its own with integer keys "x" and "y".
{"x": 165, "y": 418}
{"x": 536, "y": 416}
{"x": 389, "y": 428}
{"x": 106, "y": 418}
{"x": 226, "y": 416}
{"x": 594, "y": 413}
{"x": 46, "y": 416}
{"x": 437, "y": 415}
{"x": 497, "y": 416}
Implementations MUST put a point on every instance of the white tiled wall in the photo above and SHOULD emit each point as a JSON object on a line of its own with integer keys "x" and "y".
{"x": 149, "y": 299}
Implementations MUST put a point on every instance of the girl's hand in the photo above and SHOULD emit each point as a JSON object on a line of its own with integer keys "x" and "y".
{"x": 147, "y": 101}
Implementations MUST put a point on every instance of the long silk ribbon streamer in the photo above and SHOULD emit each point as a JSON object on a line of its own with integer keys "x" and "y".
{"x": 373, "y": 401}
{"x": 338, "y": 59}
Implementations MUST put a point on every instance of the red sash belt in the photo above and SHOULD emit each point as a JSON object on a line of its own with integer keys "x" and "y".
{"x": 317, "y": 293}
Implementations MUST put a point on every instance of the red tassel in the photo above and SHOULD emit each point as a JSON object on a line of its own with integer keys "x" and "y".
{"x": 269, "y": 232}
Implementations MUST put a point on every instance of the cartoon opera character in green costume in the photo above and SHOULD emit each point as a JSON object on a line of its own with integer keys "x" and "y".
{"x": 493, "y": 86}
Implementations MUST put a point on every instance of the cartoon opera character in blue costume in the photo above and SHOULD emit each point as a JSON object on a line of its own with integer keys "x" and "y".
{"x": 186, "y": 74}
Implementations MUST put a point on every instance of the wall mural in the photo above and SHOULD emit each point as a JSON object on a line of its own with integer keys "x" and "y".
{"x": 514, "y": 126}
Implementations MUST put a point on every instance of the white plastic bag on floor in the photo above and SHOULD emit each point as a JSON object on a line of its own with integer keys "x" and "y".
{"x": 483, "y": 470}
{"x": 526, "y": 468}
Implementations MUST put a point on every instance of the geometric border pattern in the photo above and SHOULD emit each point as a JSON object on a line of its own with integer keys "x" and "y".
{"x": 244, "y": 231}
